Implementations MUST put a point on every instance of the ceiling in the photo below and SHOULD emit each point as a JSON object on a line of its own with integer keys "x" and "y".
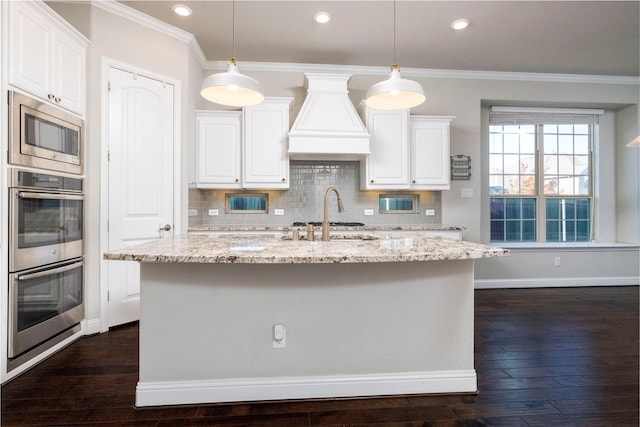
{"x": 573, "y": 37}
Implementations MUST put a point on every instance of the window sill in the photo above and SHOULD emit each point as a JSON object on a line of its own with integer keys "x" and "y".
{"x": 566, "y": 245}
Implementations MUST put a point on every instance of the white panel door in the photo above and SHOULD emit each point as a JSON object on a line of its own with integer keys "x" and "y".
{"x": 140, "y": 140}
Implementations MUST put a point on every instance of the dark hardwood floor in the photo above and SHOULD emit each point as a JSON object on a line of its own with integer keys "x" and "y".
{"x": 544, "y": 357}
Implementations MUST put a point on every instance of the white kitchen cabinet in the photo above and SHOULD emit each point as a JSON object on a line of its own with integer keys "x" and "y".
{"x": 47, "y": 57}
{"x": 430, "y": 161}
{"x": 387, "y": 167}
{"x": 219, "y": 153}
{"x": 265, "y": 158}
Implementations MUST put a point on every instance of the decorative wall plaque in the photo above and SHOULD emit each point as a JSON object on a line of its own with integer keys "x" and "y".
{"x": 460, "y": 168}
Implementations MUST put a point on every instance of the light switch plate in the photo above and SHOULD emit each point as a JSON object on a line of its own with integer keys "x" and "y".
{"x": 213, "y": 212}
{"x": 278, "y": 212}
{"x": 429, "y": 212}
{"x": 193, "y": 212}
{"x": 368, "y": 212}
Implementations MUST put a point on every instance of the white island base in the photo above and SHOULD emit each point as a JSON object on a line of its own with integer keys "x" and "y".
{"x": 352, "y": 329}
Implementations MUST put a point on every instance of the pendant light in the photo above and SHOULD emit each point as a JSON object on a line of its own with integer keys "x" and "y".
{"x": 232, "y": 88}
{"x": 395, "y": 93}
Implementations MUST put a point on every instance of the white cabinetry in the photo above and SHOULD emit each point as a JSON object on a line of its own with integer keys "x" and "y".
{"x": 407, "y": 152}
{"x": 430, "y": 160}
{"x": 219, "y": 154}
{"x": 47, "y": 57}
{"x": 265, "y": 158}
{"x": 245, "y": 149}
{"x": 387, "y": 167}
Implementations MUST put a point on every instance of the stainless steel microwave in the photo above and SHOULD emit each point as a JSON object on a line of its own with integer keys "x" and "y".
{"x": 44, "y": 136}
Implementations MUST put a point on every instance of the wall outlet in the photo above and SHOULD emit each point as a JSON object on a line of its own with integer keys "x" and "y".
{"x": 193, "y": 212}
{"x": 557, "y": 261}
{"x": 213, "y": 212}
{"x": 278, "y": 212}
{"x": 466, "y": 192}
{"x": 368, "y": 212}
{"x": 429, "y": 212}
{"x": 279, "y": 336}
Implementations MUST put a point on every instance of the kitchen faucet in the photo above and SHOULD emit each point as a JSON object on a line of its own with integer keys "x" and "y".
{"x": 325, "y": 221}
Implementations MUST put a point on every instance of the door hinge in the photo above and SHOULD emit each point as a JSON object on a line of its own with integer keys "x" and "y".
{"x": 109, "y": 86}
{"x": 108, "y": 296}
{"x": 108, "y": 155}
{"x": 107, "y": 225}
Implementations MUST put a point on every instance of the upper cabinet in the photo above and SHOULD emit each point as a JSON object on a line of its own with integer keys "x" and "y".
{"x": 218, "y": 149}
{"x": 47, "y": 57}
{"x": 430, "y": 158}
{"x": 245, "y": 149}
{"x": 407, "y": 152}
{"x": 265, "y": 158}
{"x": 387, "y": 167}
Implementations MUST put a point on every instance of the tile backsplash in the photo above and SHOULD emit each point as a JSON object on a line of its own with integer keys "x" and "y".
{"x": 305, "y": 197}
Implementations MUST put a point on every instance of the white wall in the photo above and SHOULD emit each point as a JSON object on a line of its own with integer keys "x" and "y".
{"x": 627, "y": 176}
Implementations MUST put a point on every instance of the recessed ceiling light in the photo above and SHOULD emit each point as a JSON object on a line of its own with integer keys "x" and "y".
{"x": 181, "y": 10}
{"x": 322, "y": 17}
{"x": 460, "y": 24}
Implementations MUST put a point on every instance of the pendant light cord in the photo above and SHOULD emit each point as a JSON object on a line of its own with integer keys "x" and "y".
{"x": 233, "y": 28}
{"x": 394, "y": 31}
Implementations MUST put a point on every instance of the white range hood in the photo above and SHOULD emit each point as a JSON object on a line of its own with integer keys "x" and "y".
{"x": 328, "y": 126}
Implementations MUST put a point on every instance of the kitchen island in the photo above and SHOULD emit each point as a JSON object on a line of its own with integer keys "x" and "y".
{"x": 356, "y": 316}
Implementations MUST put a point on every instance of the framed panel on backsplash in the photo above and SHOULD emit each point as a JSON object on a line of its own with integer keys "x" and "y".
{"x": 239, "y": 203}
{"x": 406, "y": 203}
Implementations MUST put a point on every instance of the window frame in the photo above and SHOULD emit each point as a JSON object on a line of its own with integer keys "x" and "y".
{"x": 539, "y": 118}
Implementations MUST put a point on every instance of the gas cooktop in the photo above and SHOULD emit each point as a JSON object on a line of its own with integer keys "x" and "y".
{"x": 332, "y": 223}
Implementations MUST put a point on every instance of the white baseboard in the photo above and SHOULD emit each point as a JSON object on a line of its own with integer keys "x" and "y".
{"x": 252, "y": 389}
{"x": 91, "y": 326}
{"x": 554, "y": 282}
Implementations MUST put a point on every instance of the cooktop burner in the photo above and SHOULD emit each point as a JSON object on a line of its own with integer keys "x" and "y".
{"x": 332, "y": 223}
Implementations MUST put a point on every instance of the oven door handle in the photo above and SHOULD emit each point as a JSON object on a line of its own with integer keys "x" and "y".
{"x": 27, "y": 195}
{"x": 61, "y": 269}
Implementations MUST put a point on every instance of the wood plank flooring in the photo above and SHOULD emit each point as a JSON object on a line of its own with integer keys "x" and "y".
{"x": 544, "y": 357}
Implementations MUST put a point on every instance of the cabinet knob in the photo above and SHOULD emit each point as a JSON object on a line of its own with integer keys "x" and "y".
{"x": 237, "y": 180}
{"x": 414, "y": 181}
{"x": 371, "y": 181}
{"x": 283, "y": 179}
{"x": 57, "y": 99}
{"x": 51, "y": 96}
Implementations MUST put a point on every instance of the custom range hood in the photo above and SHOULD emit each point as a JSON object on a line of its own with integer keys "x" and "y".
{"x": 328, "y": 126}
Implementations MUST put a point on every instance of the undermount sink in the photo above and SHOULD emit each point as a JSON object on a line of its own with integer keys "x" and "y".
{"x": 353, "y": 237}
{"x": 340, "y": 237}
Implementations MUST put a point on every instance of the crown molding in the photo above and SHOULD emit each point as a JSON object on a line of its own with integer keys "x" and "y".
{"x": 186, "y": 37}
{"x": 427, "y": 73}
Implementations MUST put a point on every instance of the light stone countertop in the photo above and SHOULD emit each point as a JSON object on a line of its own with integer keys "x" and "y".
{"x": 261, "y": 249}
{"x": 284, "y": 228}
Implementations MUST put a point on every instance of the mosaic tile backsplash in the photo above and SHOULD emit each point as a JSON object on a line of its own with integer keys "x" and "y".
{"x": 305, "y": 197}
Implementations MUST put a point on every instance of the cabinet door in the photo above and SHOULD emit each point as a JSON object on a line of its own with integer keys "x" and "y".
{"x": 265, "y": 158}
{"x": 30, "y": 45}
{"x": 430, "y": 161}
{"x": 44, "y": 59}
{"x": 387, "y": 167}
{"x": 69, "y": 69}
{"x": 218, "y": 156}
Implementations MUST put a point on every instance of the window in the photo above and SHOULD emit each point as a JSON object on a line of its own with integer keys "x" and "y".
{"x": 540, "y": 174}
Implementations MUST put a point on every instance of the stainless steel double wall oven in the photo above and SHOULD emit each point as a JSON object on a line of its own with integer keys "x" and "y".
{"x": 46, "y": 228}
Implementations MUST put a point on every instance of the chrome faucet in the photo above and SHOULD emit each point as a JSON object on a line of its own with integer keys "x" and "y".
{"x": 325, "y": 221}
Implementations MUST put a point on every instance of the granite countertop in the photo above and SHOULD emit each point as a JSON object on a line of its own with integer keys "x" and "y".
{"x": 261, "y": 249}
{"x": 284, "y": 228}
